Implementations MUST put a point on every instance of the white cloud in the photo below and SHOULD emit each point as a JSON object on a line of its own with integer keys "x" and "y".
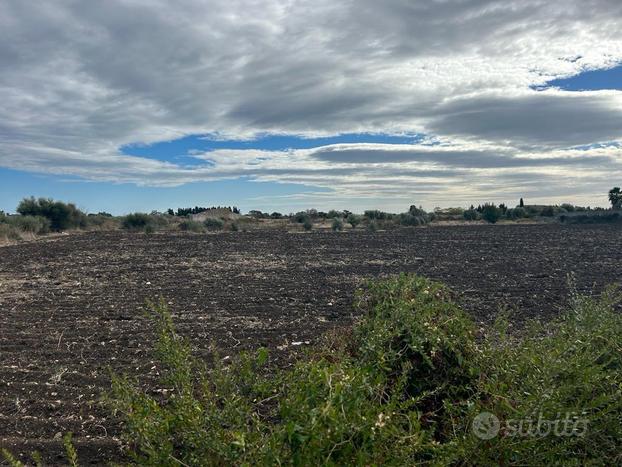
{"x": 78, "y": 80}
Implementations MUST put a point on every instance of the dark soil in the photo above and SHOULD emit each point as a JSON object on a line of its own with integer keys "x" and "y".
{"x": 72, "y": 307}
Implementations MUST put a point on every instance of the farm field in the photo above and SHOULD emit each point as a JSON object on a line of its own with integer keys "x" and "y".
{"x": 71, "y": 307}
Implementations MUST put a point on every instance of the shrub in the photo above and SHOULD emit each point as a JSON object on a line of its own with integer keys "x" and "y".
{"x": 491, "y": 213}
{"x": 307, "y": 224}
{"x": 564, "y": 370}
{"x": 213, "y": 223}
{"x": 418, "y": 211}
{"x": 337, "y": 225}
{"x": 600, "y": 217}
{"x": 61, "y": 215}
{"x": 354, "y": 220}
{"x": 137, "y": 221}
{"x": 401, "y": 388}
{"x": 372, "y": 226}
{"x": 418, "y": 340}
{"x": 471, "y": 215}
{"x": 188, "y": 225}
{"x": 375, "y": 214}
{"x": 301, "y": 217}
{"x": 9, "y": 232}
{"x": 548, "y": 211}
{"x": 516, "y": 213}
{"x": 37, "y": 225}
{"x": 257, "y": 214}
{"x": 97, "y": 220}
{"x": 234, "y": 227}
{"x": 410, "y": 219}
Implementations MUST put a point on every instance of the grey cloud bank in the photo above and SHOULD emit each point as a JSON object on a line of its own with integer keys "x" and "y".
{"x": 79, "y": 80}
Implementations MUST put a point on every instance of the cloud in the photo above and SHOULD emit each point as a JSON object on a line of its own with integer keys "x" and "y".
{"x": 542, "y": 119}
{"x": 448, "y": 156}
{"x": 79, "y": 80}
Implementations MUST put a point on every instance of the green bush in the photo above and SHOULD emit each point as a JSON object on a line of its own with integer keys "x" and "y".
{"x": 568, "y": 369}
{"x": 354, "y": 220}
{"x": 598, "y": 217}
{"x": 337, "y": 225}
{"x": 301, "y": 217}
{"x": 375, "y": 214}
{"x": 61, "y": 215}
{"x": 188, "y": 225}
{"x": 213, "y": 223}
{"x": 471, "y": 215}
{"x": 410, "y": 219}
{"x": 403, "y": 387}
{"x": 516, "y": 213}
{"x": 548, "y": 211}
{"x": 372, "y": 226}
{"x": 491, "y": 213}
{"x": 307, "y": 224}
{"x": 137, "y": 221}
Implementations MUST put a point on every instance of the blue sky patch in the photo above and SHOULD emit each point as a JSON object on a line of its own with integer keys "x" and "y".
{"x": 178, "y": 151}
{"x": 593, "y": 80}
{"x": 123, "y": 198}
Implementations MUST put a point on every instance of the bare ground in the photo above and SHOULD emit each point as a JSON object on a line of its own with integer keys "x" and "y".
{"x": 71, "y": 307}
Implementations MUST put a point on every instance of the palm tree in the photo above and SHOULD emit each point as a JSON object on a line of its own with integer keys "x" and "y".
{"x": 615, "y": 198}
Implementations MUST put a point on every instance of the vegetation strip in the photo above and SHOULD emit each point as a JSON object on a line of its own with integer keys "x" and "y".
{"x": 412, "y": 381}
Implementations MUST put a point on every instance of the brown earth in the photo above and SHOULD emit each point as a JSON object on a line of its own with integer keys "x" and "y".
{"x": 70, "y": 307}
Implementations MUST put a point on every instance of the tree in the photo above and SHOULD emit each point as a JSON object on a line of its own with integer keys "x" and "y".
{"x": 354, "y": 220}
{"x": 615, "y": 198}
{"x": 521, "y": 203}
{"x": 61, "y": 215}
{"x": 491, "y": 213}
{"x": 337, "y": 225}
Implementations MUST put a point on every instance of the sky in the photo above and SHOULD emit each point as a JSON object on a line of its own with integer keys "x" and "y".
{"x": 140, "y": 105}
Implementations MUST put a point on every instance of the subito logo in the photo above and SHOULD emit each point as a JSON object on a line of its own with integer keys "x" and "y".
{"x": 486, "y": 425}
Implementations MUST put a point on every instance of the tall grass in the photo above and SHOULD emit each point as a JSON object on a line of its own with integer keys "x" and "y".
{"x": 402, "y": 387}
{"x": 15, "y": 227}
